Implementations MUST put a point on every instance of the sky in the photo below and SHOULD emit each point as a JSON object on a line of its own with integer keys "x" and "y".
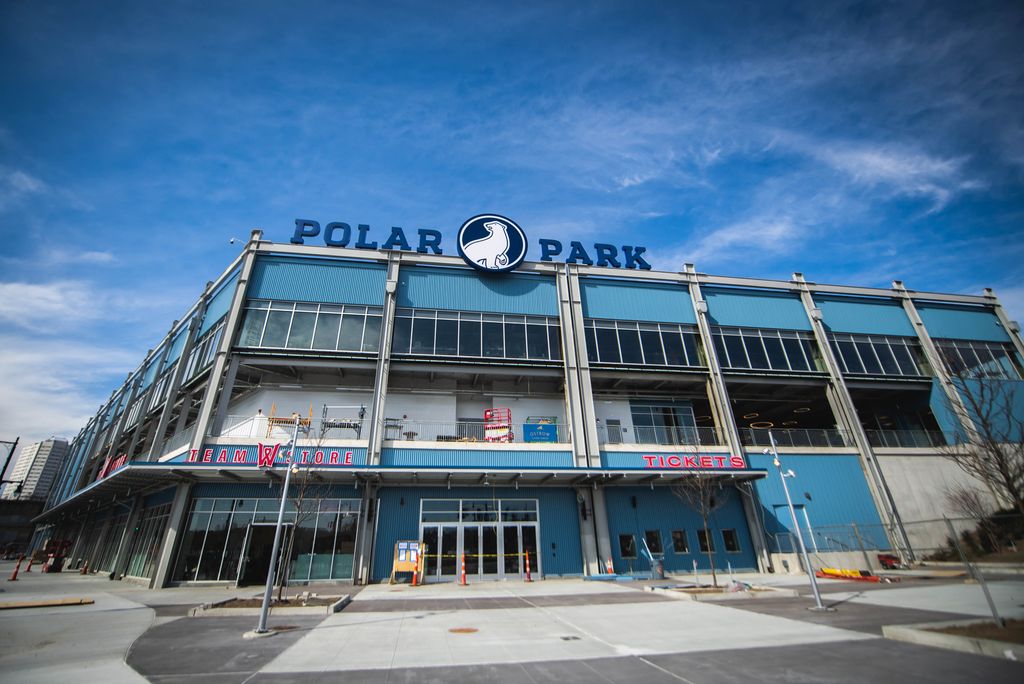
{"x": 856, "y": 142}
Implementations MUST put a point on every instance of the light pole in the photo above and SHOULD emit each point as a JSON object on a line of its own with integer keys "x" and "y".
{"x": 261, "y": 628}
{"x": 796, "y": 525}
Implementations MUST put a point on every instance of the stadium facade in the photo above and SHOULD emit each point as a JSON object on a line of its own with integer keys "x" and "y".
{"x": 491, "y": 406}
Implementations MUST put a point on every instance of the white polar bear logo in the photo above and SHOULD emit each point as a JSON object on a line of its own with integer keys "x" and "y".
{"x": 491, "y": 252}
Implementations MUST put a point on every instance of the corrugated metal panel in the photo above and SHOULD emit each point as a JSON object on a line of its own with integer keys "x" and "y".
{"x": 634, "y": 459}
{"x": 939, "y": 404}
{"x": 467, "y": 290}
{"x": 1003, "y": 402}
{"x": 266, "y": 491}
{"x": 177, "y": 344}
{"x": 399, "y": 510}
{"x": 483, "y": 458}
{"x": 328, "y": 281}
{"x": 628, "y": 301}
{"x": 219, "y": 304}
{"x": 962, "y": 323}
{"x": 832, "y": 490}
{"x": 756, "y": 309}
{"x": 864, "y": 316}
{"x": 659, "y": 509}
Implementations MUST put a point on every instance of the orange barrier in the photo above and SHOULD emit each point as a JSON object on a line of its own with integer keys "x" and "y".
{"x": 842, "y": 573}
{"x": 14, "y": 575}
{"x": 85, "y": 569}
{"x": 31, "y": 560}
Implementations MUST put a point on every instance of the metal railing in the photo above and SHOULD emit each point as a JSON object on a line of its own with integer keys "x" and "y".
{"x": 919, "y": 439}
{"x": 403, "y": 430}
{"x": 800, "y": 437}
{"x": 280, "y": 427}
{"x": 664, "y": 436}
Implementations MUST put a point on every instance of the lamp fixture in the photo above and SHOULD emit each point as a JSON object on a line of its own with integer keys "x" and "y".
{"x": 753, "y": 414}
{"x": 802, "y": 409}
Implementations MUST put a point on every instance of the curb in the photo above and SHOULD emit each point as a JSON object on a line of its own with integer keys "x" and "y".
{"x": 921, "y": 634}
{"x": 215, "y": 610}
{"x": 762, "y": 593}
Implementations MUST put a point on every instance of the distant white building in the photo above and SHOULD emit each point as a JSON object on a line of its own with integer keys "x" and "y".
{"x": 36, "y": 468}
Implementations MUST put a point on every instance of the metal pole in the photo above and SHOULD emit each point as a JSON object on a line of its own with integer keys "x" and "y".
{"x": 974, "y": 572}
{"x": 796, "y": 527}
{"x": 265, "y": 608}
{"x": 860, "y": 543}
{"x": 3, "y": 473}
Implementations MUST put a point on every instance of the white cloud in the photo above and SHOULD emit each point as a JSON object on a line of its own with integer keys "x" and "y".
{"x": 16, "y": 184}
{"x": 48, "y": 306}
{"x": 760, "y": 235}
{"x": 58, "y": 257}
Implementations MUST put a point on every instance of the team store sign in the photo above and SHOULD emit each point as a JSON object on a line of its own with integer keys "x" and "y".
{"x": 269, "y": 455}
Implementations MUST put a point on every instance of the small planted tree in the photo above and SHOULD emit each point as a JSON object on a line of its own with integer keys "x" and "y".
{"x": 703, "y": 493}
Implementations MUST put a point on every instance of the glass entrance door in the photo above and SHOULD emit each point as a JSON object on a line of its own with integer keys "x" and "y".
{"x": 442, "y": 559}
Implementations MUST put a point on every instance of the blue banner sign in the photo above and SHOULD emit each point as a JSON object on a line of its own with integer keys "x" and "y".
{"x": 540, "y": 432}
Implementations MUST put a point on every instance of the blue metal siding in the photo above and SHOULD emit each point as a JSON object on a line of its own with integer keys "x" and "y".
{"x": 219, "y": 304}
{"x": 318, "y": 280}
{"x": 831, "y": 488}
{"x": 465, "y": 458}
{"x": 627, "y": 301}
{"x": 756, "y": 309}
{"x": 962, "y": 323}
{"x": 944, "y": 415}
{"x": 633, "y": 460}
{"x": 165, "y": 496}
{"x": 659, "y": 509}
{"x": 466, "y": 290}
{"x": 1004, "y": 401}
{"x": 270, "y": 490}
{"x": 398, "y": 513}
{"x": 865, "y": 316}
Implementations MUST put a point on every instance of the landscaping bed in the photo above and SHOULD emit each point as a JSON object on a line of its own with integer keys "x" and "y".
{"x": 1012, "y": 633}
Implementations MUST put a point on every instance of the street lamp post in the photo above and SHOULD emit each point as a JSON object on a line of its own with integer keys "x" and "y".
{"x": 796, "y": 525}
{"x": 271, "y": 574}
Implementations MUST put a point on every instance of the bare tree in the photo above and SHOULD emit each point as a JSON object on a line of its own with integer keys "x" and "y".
{"x": 704, "y": 493}
{"x": 992, "y": 446}
{"x": 976, "y": 505}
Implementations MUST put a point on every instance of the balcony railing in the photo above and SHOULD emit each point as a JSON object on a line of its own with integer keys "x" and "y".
{"x": 430, "y": 431}
{"x": 801, "y": 437}
{"x": 280, "y": 427}
{"x": 913, "y": 439}
{"x": 665, "y": 436}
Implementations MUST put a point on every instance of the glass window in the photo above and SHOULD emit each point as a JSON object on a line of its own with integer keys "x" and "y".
{"x": 776, "y": 355}
{"x": 608, "y": 345}
{"x": 326, "y": 335}
{"x": 653, "y": 539}
{"x": 795, "y": 354}
{"x": 650, "y": 340}
{"x": 867, "y": 355}
{"x": 494, "y": 342}
{"x": 731, "y": 541}
{"x": 737, "y": 356}
{"x": 905, "y": 359}
{"x": 720, "y": 351}
{"x": 351, "y": 338}
{"x": 675, "y": 355}
{"x": 849, "y": 354}
{"x": 555, "y": 344}
{"x": 276, "y": 332}
{"x": 755, "y": 351}
{"x": 627, "y": 546}
{"x": 705, "y": 542}
{"x": 885, "y": 357}
{"x": 811, "y": 352}
{"x": 679, "y": 541}
{"x": 371, "y": 338}
{"x": 469, "y": 338}
{"x": 690, "y": 342}
{"x": 252, "y": 328}
{"x": 515, "y": 340}
{"x": 629, "y": 343}
{"x": 301, "y": 334}
{"x": 447, "y": 337}
{"x": 591, "y": 343}
{"x": 537, "y": 341}
{"x": 401, "y": 336}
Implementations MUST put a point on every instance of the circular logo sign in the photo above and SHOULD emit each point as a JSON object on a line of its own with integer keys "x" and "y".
{"x": 492, "y": 243}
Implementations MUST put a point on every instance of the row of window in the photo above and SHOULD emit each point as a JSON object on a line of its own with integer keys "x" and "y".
{"x": 449, "y": 333}
{"x": 979, "y": 359}
{"x": 680, "y": 542}
{"x": 754, "y": 349}
{"x": 328, "y": 327}
{"x": 875, "y": 355}
{"x": 648, "y": 344}
{"x": 146, "y": 544}
{"x": 478, "y": 510}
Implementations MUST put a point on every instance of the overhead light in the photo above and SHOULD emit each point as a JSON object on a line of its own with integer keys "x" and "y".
{"x": 802, "y": 409}
{"x": 789, "y": 423}
{"x": 762, "y": 425}
{"x": 702, "y": 419}
{"x": 748, "y": 416}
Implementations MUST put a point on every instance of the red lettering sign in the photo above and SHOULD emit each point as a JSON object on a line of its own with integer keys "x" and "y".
{"x": 193, "y": 455}
{"x": 684, "y": 462}
{"x": 222, "y": 457}
{"x": 266, "y": 455}
{"x": 241, "y": 455}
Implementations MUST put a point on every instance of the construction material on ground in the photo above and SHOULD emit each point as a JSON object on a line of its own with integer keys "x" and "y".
{"x": 855, "y": 575}
{"x": 46, "y": 603}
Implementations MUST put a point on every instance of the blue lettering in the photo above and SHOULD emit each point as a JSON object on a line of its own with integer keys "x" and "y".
{"x": 578, "y": 255}
{"x": 331, "y": 241}
{"x": 429, "y": 239}
{"x": 361, "y": 243}
{"x": 633, "y": 258}
{"x": 397, "y": 238}
{"x": 606, "y": 255}
{"x": 549, "y": 248}
{"x": 305, "y": 229}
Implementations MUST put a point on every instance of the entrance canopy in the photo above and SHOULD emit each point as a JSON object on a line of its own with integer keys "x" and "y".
{"x": 143, "y": 478}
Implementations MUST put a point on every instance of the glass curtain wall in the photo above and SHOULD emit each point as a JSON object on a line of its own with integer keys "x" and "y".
{"x": 295, "y": 325}
{"x": 637, "y": 343}
{"x": 146, "y": 542}
{"x": 876, "y": 355}
{"x": 663, "y": 422}
{"x": 218, "y": 529}
{"x": 429, "y": 332}
{"x": 755, "y": 349}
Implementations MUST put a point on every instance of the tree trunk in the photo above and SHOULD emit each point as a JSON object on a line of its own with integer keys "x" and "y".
{"x": 710, "y": 551}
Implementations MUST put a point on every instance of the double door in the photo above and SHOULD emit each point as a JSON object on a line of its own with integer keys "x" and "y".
{"x": 492, "y": 550}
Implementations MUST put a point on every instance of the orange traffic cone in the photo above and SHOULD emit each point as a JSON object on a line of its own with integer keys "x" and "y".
{"x": 31, "y": 560}
{"x": 528, "y": 578}
{"x": 463, "y": 572}
{"x": 14, "y": 575}
{"x": 85, "y": 569}
{"x": 609, "y": 567}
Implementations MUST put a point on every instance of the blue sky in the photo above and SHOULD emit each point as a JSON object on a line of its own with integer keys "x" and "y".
{"x": 855, "y": 142}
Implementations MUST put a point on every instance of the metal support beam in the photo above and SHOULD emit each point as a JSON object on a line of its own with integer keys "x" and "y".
{"x": 375, "y": 438}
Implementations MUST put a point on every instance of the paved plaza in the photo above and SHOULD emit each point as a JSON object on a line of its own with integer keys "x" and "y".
{"x": 548, "y": 631}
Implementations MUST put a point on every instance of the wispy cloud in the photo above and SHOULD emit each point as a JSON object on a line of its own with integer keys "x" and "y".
{"x": 16, "y": 185}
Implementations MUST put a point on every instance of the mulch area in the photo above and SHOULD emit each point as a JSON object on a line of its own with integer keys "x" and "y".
{"x": 1012, "y": 633}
